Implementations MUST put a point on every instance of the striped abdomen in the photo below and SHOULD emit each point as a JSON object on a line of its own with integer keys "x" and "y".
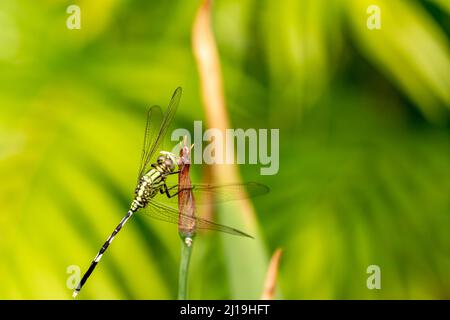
{"x": 148, "y": 186}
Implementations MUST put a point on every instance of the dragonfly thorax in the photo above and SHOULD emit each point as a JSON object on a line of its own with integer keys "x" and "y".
{"x": 166, "y": 163}
{"x": 151, "y": 183}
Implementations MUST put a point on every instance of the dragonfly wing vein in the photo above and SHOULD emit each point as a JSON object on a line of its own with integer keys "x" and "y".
{"x": 166, "y": 213}
{"x": 208, "y": 193}
{"x": 158, "y": 125}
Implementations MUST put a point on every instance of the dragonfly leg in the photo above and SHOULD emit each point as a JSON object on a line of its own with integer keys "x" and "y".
{"x": 170, "y": 173}
{"x": 165, "y": 189}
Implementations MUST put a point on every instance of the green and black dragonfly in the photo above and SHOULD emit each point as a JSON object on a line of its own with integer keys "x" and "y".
{"x": 152, "y": 181}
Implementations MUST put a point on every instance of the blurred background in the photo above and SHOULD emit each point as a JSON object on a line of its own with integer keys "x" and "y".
{"x": 364, "y": 146}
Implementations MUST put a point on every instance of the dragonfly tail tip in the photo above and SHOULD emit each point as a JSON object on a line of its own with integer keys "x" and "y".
{"x": 74, "y": 294}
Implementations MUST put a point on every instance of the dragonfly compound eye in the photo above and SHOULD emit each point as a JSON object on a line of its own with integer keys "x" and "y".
{"x": 161, "y": 159}
{"x": 170, "y": 164}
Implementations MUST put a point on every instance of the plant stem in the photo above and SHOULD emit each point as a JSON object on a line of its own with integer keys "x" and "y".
{"x": 186, "y": 249}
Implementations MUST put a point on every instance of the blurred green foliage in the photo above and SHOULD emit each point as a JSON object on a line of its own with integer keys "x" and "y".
{"x": 364, "y": 144}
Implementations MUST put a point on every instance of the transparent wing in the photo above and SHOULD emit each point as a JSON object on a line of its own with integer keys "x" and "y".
{"x": 167, "y": 213}
{"x": 152, "y": 128}
{"x": 208, "y": 193}
{"x": 156, "y": 128}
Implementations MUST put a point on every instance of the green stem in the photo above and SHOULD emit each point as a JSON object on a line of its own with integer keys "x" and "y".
{"x": 184, "y": 268}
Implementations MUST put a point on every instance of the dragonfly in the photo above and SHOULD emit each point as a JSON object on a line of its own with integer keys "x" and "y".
{"x": 151, "y": 181}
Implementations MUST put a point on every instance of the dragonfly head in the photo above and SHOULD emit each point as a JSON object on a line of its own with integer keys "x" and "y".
{"x": 168, "y": 159}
